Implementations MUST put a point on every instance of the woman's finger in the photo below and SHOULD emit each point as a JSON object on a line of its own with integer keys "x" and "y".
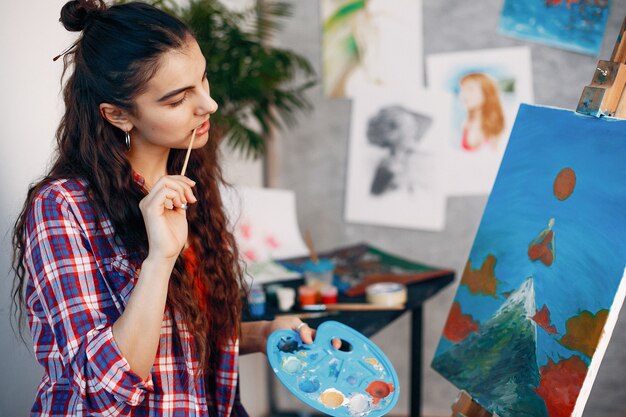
{"x": 165, "y": 197}
{"x": 306, "y": 333}
{"x": 182, "y": 185}
{"x": 181, "y": 192}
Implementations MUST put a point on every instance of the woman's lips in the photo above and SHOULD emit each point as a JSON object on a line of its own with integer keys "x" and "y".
{"x": 203, "y": 128}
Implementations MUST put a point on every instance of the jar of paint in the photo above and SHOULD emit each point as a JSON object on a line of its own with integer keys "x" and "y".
{"x": 328, "y": 294}
{"x": 317, "y": 273}
{"x": 306, "y": 295}
{"x": 286, "y": 298}
{"x": 270, "y": 294}
{"x": 256, "y": 301}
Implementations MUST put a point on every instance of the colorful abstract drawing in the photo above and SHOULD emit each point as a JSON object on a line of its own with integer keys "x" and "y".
{"x": 575, "y": 25}
{"x": 373, "y": 42}
{"x": 545, "y": 278}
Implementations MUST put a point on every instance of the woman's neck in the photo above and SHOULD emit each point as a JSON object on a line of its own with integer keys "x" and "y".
{"x": 151, "y": 163}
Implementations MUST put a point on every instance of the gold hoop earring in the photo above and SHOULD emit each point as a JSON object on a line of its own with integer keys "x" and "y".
{"x": 128, "y": 140}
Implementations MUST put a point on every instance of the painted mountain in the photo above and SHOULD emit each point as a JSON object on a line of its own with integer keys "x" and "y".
{"x": 544, "y": 282}
{"x": 506, "y": 342}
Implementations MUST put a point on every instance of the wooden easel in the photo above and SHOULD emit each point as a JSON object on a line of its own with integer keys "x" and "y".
{"x": 605, "y": 95}
{"x": 464, "y": 406}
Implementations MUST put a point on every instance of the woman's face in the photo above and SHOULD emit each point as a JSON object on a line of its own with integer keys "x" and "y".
{"x": 471, "y": 94}
{"x": 176, "y": 101}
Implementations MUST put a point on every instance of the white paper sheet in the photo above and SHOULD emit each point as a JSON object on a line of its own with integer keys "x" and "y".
{"x": 395, "y": 169}
{"x": 265, "y": 226}
{"x": 377, "y": 43}
{"x": 473, "y": 167}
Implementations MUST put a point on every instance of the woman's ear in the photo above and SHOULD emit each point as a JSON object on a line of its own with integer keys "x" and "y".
{"x": 116, "y": 116}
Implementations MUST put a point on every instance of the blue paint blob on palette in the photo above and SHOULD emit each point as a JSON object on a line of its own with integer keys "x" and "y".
{"x": 355, "y": 380}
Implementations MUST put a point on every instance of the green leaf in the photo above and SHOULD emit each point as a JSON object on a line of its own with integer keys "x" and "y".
{"x": 258, "y": 87}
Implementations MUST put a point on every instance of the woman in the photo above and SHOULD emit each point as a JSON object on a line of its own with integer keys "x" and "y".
{"x": 126, "y": 269}
{"x": 485, "y": 119}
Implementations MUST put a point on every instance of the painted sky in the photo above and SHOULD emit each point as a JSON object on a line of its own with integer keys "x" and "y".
{"x": 589, "y": 226}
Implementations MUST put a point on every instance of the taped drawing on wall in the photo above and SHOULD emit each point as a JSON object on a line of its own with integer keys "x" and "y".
{"x": 370, "y": 42}
{"x": 395, "y": 166}
{"x": 488, "y": 86}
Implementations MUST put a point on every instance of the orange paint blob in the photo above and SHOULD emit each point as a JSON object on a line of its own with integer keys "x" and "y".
{"x": 564, "y": 183}
{"x": 379, "y": 390}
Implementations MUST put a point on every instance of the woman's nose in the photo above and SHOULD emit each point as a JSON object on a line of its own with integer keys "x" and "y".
{"x": 206, "y": 103}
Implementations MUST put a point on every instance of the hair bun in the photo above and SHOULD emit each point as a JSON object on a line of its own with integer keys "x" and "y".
{"x": 75, "y": 14}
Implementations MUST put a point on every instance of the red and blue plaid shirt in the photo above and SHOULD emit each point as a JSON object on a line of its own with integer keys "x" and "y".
{"x": 80, "y": 279}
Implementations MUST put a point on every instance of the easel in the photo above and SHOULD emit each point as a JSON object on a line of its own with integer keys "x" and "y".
{"x": 603, "y": 97}
{"x": 464, "y": 406}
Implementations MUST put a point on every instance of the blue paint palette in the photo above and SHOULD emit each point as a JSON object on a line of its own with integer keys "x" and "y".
{"x": 355, "y": 380}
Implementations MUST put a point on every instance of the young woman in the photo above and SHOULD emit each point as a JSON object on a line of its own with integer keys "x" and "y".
{"x": 126, "y": 270}
{"x": 485, "y": 118}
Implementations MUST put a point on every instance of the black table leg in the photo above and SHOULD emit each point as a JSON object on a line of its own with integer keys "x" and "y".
{"x": 416, "y": 362}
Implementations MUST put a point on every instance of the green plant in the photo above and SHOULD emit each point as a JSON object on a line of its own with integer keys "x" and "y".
{"x": 258, "y": 87}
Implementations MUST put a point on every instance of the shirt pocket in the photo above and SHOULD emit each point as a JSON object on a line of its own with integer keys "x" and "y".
{"x": 120, "y": 275}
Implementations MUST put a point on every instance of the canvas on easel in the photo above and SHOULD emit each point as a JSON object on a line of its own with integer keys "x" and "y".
{"x": 544, "y": 282}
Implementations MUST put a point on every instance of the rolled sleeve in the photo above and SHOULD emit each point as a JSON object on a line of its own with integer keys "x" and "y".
{"x": 111, "y": 372}
{"x": 75, "y": 300}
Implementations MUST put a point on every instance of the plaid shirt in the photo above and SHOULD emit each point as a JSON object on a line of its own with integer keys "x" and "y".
{"x": 80, "y": 279}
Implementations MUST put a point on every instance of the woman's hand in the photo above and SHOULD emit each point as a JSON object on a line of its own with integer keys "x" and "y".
{"x": 307, "y": 334}
{"x": 164, "y": 213}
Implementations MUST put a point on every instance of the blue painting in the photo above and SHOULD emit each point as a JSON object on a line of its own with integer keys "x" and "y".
{"x": 575, "y": 25}
{"x": 544, "y": 281}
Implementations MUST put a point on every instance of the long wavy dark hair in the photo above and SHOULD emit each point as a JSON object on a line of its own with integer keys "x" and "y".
{"x": 117, "y": 54}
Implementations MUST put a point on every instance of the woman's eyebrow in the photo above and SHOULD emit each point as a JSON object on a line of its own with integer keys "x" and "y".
{"x": 173, "y": 93}
{"x": 180, "y": 90}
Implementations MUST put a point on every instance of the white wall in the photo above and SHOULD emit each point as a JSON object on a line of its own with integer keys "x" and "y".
{"x": 30, "y": 103}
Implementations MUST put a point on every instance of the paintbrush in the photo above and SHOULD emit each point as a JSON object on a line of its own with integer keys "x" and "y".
{"x": 314, "y": 315}
{"x": 352, "y": 307}
{"x": 193, "y": 137}
{"x": 308, "y": 240}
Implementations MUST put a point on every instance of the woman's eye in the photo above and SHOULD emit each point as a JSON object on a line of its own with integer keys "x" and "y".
{"x": 179, "y": 102}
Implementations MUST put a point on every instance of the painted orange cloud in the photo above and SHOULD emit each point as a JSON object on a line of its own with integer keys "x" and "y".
{"x": 459, "y": 325}
{"x": 482, "y": 280}
{"x": 560, "y": 385}
{"x": 542, "y": 318}
{"x": 584, "y": 330}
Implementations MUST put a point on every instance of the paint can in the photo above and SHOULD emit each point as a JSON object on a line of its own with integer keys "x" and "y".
{"x": 256, "y": 301}
{"x": 270, "y": 294}
{"x": 386, "y": 294}
{"x": 286, "y": 298}
{"x": 306, "y": 295}
{"x": 318, "y": 273}
{"x": 328, "y": 294}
